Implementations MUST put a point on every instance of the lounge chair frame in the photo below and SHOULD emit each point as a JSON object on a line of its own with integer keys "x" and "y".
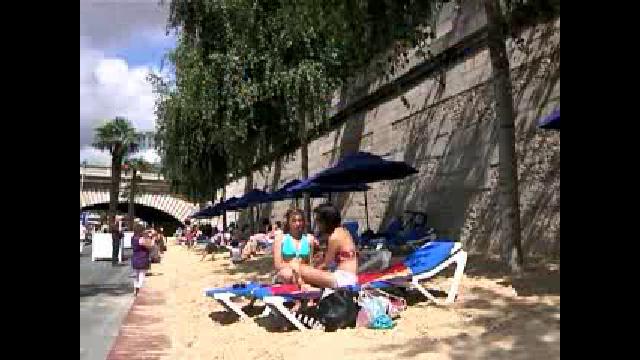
{"x": 276, "y": 304}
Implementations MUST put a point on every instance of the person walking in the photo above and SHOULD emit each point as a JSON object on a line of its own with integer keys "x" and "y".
{"x": 141, "y": 244}
{"x": 83, "y": 236}
{"x": 116, "y": 238}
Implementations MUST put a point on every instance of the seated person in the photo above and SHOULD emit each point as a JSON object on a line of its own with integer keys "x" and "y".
{"x": 226, "y": 237}
{"x": 260, "y": 238}
{"x": 235, "y": 252}
{"x": 292, "y": 248}
{"x": 340, "y": 255}
{"x": 248, "y": 243}
{"x": 275, "y": 230}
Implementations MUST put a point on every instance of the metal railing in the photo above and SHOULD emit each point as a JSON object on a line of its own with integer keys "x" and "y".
{"x": 100, "y": 171}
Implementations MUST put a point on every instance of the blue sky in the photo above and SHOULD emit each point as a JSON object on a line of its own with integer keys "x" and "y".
{"x": 120, "y": 44}
{"x": 144, "y": 49}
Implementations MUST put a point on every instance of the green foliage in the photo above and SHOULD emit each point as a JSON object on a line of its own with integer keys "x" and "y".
{"x": 117, "y": 136}
{"x": 248, "y": 73}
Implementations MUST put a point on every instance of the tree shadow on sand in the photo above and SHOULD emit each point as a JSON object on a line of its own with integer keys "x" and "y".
{"x": 258, "y": 266}
{"x": 512, "y": 327}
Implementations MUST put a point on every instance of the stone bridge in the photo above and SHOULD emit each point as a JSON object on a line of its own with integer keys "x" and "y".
{"x": 153, "y": 193}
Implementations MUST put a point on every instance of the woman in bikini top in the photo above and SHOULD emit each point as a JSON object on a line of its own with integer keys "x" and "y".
{"x": 341, "y": 250}
{"x": 294, "y": 247}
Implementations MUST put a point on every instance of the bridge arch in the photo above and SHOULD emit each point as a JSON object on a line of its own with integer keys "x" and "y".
{"x": 177, "y": 209}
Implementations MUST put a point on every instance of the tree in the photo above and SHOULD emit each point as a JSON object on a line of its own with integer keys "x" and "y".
{"x": 119, "y": 138}
{"x": 253, "y": 78}
{"x": 508, "y": 166}
{"x": 136, "y": 166}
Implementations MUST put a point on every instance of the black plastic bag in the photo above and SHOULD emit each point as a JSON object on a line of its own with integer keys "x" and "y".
{"x": 338, "y": 310}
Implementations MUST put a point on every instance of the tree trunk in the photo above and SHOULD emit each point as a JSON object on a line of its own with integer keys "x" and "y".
{"x": 132, "y": 194}
{"x": 224, "y": 213}
{"x": 116, "y": 163}
{"x": 304, "y": 163}
{"x": 508, "y": 167}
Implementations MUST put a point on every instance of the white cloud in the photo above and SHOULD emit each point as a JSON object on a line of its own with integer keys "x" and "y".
{"x": 148, "y": 155}
{"x": 98, "y": 157}
{"x": 109, "y": 88}
{"x": 94, "y": 156}
{"x": 111, "y": 23}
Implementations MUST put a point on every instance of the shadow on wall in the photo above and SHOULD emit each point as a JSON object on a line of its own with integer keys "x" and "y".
{"x": 267, "y": 209}
{"x": 454, "y": 146}
{"x": 453, "y": 142}
{"x": 350, "y": 141}
{"x": 245, "y": 215}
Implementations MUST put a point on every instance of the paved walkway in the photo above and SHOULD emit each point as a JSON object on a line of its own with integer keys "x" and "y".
{"x": 105, "y": 298}
{"x": 143, "y": 335}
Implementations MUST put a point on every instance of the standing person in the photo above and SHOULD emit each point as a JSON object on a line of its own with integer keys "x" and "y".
{"x": 195, "y": 231}
{"x": 141, "y": 244}
{"x": 89, "y": 235}
{"x": 83, "y": 236}
{"x": 188, "y": 233}
{"x": 161, "y": 241}
{"x": 116, "y": 237}
{"x": 179, "y": 235}
{"x": 154, "y": 251}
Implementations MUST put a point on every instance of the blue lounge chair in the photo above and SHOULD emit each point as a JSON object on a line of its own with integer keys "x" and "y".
{"x": 423, "y": 264}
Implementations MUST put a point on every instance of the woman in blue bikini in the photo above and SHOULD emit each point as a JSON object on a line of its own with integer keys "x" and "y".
{"x": 341, "y": 254}
{"x": 292, "y": 248}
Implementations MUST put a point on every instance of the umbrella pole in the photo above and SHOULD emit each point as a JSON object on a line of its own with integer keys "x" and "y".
{"x": 366, "y": 209}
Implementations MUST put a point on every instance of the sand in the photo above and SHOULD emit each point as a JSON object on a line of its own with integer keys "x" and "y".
{"x": 495, "y": 317}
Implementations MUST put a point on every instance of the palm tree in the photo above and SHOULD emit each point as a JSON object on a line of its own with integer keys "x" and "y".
{"x": 118, "y": 137}
{"x": 135, "y": 166}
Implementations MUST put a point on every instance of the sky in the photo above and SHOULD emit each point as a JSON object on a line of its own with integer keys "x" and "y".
{"x": 121, "y": 41}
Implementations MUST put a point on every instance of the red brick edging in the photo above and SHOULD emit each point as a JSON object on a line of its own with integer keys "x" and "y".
{"x": 140, "y": 337}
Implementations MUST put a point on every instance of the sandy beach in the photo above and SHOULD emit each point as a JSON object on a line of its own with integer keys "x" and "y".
{"x": 495, "y": 317}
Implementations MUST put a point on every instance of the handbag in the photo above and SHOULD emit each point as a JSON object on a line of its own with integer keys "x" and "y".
{"x": 378, "y": 302}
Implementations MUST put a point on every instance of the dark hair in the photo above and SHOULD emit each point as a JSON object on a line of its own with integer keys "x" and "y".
{"x": 207, "y": 230}
{"x": 328, "y": 215}
{"x": 187, "y": 222}
{"x": 138, "y": 229}
{"x": 290, "y": 213}
{"x": 266, "y": 222}
{"x": 279, "y": 223}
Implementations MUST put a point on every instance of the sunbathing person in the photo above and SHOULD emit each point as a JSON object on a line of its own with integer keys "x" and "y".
{"x": 340, "y": 255}
{"x": 292, "y": 248}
